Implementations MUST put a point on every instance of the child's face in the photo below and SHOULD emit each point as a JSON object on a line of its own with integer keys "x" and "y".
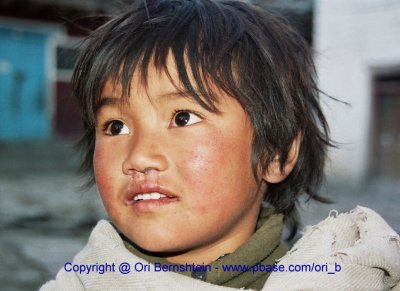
{"x": 164, "y": 143}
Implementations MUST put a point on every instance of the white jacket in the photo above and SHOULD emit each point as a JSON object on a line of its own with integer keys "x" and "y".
{"x": 351, "y": 251}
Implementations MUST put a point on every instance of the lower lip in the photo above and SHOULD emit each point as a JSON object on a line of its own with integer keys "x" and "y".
{"x": 151, "y": 204}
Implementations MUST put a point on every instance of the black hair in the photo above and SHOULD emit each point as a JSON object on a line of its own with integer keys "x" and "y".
{"x": 251, "y": 54}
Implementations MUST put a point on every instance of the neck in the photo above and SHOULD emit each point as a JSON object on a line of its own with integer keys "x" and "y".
{"x": 209, "y": 253}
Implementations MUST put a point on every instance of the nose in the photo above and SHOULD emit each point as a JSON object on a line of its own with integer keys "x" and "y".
{"x": 144, "y": 152}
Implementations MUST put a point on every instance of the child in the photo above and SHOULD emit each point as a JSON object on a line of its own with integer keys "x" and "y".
{"x": 196, "y": 114}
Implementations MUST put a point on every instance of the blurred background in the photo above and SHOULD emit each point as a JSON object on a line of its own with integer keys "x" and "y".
{"x": 45, "y": 218}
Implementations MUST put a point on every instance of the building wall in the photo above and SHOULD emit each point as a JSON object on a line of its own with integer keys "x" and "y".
{"x": 354, "y": 41}
{"x": 39, "y": 42}
{"x": 26, "y": 76}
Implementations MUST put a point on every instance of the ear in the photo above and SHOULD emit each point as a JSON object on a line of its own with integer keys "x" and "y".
{"x": 274, "y": 173}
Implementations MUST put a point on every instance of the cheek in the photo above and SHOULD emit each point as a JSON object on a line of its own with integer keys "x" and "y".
{"x": 214, "y": 169}
{"x": 102, "y": 167}
{"x": 201, "y": 162}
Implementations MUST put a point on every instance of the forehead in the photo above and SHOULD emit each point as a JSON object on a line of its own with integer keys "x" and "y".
{"x": 149, "y": 81}
{"x": 163, "y": 83}
{"x": 157, "y": 94}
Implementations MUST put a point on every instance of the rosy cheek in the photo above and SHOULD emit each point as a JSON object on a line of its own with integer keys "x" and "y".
{"x": 202, "y": 169}
{"x": 101, "y": 168}
{"x": 98, "y": 162}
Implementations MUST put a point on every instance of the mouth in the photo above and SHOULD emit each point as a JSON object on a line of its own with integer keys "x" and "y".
{"x": 149, "y": 194}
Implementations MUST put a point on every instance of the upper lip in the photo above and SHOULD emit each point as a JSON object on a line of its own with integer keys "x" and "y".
{"x": 142, "y": 188}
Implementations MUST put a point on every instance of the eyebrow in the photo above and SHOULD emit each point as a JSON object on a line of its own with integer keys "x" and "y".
{"x": 115, "y": 102}
{"x": 175, "y": 94}
{"x": 107, "y": 101}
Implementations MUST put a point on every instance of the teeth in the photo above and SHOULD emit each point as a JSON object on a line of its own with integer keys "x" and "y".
{"x": 149, "y": 196}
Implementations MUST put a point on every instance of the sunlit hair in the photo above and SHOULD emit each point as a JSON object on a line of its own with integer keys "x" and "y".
{"x": 251, "y": 54}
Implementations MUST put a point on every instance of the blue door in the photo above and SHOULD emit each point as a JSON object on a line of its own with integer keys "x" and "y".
{"x": 23, "y": 91}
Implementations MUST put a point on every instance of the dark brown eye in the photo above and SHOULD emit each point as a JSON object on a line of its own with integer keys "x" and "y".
{"x": 184, "y": 118}
{"x": 117, "y": 127}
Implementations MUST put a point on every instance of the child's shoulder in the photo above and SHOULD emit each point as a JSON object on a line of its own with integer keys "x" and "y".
{"x": 357, "y": 250}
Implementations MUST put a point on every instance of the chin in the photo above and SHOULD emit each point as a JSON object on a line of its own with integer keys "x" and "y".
{"x": 163, "y": 251}
{"x": 160, "y": 247}
{"x": 156, "y": 244}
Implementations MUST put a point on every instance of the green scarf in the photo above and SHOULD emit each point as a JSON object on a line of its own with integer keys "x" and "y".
{"x": 263, "y": 247}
